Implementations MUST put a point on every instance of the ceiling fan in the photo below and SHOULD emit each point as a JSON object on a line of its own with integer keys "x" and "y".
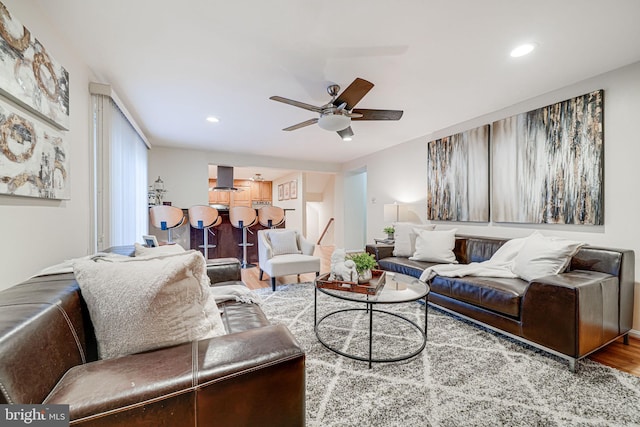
{"x": 338, "y": 113}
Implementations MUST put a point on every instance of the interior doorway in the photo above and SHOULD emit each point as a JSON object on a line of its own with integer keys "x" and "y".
{"x": 355, "y": 209}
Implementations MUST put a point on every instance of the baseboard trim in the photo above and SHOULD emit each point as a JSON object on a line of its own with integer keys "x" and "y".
{"x": 635, "y": 333}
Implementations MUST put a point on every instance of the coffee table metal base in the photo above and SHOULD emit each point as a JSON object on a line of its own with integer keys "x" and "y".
{"x": 371, "y": 310}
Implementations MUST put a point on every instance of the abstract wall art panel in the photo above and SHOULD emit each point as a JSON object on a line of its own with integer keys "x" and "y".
{"x": 34, "y": 158}
{"x": 458, "y": 177}
{"x": 29, "y": 75}
{"x": 547, "y": 164}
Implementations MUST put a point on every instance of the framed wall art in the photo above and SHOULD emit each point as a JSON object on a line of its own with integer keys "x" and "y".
{"x": 29, "y": 75}
{"x": 286, "y": 189}
{"x": 34, "y": 157}
{"x": 547, "y": 164}
{"x": 281, "y": 192}
{"x": 293, "y": 189}
{"x": 458, "y": 177}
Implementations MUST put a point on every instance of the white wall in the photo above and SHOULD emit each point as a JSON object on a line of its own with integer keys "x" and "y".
{"x": 319, "y": 197}
{"x": 295, "y": 218}
{"x": 37, "y": 233}
{"x": 355, "y": 209}
{"x": 399, "y": 173}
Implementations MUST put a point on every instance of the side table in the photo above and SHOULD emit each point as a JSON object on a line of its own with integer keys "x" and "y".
{"x": 379, "y": 250}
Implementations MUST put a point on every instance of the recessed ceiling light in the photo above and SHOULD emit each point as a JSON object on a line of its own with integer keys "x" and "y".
{"x": 523, "y": 49}
{"x": 213, "y": 119}
{"x": 347, "y": 138}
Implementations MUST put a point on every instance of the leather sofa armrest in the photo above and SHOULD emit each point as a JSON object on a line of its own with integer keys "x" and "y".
{"x": 223, "y": 378}
{"x": 380, "y": 251}
{"x": 223, "y": 270}
{"x": 573, "y": 313}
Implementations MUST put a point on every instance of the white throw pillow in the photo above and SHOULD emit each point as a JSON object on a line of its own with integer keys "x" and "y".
{"x": 144, "y": 303}
{"x": 284, "y": 242}
{"x": 405, "y": 237}
{"x": 435, "y": 246}
{"x": 141, "y": 250}
{"x": 543, "y": 256}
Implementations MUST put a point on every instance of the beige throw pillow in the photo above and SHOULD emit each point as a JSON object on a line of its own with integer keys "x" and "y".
{"x": 544, "y": 256}
{"x": 284, "y": 242}
{"x": 141, "y": 304}
{"x": 435, "y": 246}
{"x": 141, "y": 250}
{"x": 405, "y": 237}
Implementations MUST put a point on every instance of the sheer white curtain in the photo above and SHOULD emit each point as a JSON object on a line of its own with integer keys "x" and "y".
{"x": 120, "y": 178}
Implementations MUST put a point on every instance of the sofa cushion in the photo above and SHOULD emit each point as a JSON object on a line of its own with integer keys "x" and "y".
{"x": 284, "y": 242}
{"x": 405, "y": 237}
{"x": 141, "y": 250}
{"x": 404, "y": 265}
{"x": 435, "y": 246}
{"x": 544, "y": 256}
{"x": 140, "y": 304}
{"x": 496, "y": 294}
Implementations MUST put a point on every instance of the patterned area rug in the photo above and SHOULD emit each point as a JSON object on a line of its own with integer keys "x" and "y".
{"x": 466, "y": 375}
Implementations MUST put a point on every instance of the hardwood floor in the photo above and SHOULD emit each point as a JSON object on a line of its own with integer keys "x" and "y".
{"x": 617, "y": 355}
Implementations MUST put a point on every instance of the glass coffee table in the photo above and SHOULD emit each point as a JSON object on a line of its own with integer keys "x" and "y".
{"x": 398, "y": 289}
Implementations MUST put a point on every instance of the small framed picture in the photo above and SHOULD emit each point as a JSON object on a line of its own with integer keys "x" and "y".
{"x": 285, "y": 195}
{"x": 150, "y": 241}
{"x": 281, "y": 192}
{"x": 293, "y": 189}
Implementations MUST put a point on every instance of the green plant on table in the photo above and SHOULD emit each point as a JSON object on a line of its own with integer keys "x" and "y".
{"x": 363, "y": 261}
{"x": 389, "y": 230}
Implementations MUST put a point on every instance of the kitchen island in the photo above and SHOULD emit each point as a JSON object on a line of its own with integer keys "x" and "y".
{"x": 227, "y": 239}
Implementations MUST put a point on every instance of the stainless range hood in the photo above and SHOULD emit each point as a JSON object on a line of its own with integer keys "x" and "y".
{"x": 225, "y": 179}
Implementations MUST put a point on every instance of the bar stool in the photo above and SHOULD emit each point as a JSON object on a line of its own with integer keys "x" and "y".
{"x": 271, "y": 216}
{"x": 243, "y": 217}
{"x": 203, "y": 218}
{"x": 166, "y": 218}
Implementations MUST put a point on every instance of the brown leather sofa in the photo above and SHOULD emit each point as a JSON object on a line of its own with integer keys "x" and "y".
{"x": 571, "y": 314}
{"x": 254, "y": 375}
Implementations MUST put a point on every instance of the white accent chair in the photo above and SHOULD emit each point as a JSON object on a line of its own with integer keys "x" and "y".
{"x": 297, "y": 261}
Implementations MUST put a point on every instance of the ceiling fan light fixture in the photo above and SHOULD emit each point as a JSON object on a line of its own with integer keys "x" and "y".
{"x": 334, "y": 122}
{"x": 346, "y": 134}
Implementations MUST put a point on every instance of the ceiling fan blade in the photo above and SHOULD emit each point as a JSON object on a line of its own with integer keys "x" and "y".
{"x": 377, "y": 114}
{"x": 354, "y": 93}
{"x": 303, "y": 124}
{"x": 297, "y": 103}
{"x": 346, "y": 133}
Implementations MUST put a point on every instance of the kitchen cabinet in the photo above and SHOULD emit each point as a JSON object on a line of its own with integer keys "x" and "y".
{"x": 217, "y": 197}
{"x": 261, "y": 191}
{"x": 241, "y": 197}
{"x": 251, "y": 191}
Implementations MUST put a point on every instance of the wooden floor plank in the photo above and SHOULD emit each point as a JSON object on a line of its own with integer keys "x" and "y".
{"x": 616, "y": 355}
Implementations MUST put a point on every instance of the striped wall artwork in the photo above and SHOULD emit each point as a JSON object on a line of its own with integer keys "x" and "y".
{"x": 458, "y": 177}
{"x": 547, "y": 164}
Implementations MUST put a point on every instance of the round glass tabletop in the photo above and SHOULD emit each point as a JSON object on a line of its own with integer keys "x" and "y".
{"x": 398, "y": 288}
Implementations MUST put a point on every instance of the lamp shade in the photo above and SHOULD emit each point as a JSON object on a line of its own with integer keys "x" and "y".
{"x": 391, "y": 211}
{"x": 334, "y": 122}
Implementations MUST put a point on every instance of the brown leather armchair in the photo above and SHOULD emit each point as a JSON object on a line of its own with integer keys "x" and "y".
{"x": 49, "y": 355}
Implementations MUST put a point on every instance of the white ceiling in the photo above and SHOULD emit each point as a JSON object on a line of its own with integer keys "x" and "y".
{"x": 441, "y": 61}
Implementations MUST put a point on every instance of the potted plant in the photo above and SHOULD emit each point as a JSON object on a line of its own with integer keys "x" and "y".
{"x": 389, "y": 231}
{"x": 364, "y": 263}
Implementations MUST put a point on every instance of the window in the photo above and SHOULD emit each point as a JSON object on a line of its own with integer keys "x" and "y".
{"x": 120, "y": 208}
